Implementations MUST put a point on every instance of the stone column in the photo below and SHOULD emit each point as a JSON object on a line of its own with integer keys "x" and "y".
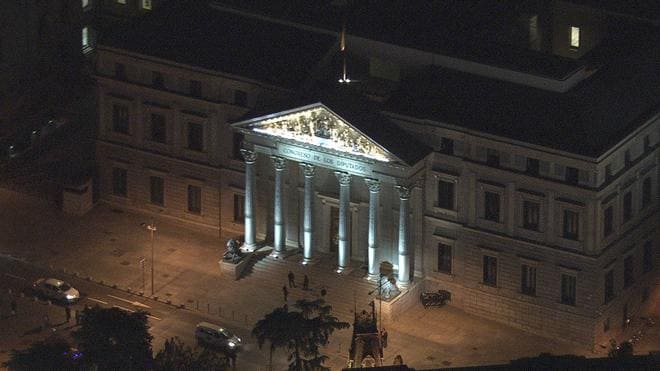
{"x": 404, "y": 255}
{"x": 343, "y": 256}
{"x": 278, "y": 215}
{"x": 309, "y": 171}
{"x": 374, "y": 205}
{"x": 250, "y": 159}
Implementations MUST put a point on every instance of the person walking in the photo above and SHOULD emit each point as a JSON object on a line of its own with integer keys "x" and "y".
{"x": 306, "y": 283}
{"x": 67, "y": 311}
{"x": 285, "y": 292}
{"x": 292, "y": 279}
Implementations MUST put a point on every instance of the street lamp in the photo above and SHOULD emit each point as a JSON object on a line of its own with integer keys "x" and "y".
{"x": 380, "y": 309}
{"x": 151, "y": 228}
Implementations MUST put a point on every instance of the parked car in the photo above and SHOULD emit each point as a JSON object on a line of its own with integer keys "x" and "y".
{"x": 55, "y": 289}
{"x": 216, "y": 335}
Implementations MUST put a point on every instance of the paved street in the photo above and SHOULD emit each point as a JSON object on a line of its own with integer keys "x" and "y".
{"x": 107, "y": 245}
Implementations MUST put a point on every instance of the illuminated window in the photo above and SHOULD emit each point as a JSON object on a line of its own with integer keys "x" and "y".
{"x": 85, "y": 37}
{"x": 575, "y": 37}
{"x": 146, "y": 4}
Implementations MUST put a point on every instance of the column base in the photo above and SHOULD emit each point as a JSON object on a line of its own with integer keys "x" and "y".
{"x": 403, "y": 285}
{"x": 344, "y": 270}
{"x": 249, "y": 247}
{"x": 309, "y": 261}
{"x": 283, "y": 254}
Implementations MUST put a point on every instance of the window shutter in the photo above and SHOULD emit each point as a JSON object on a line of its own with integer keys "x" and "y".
{"x": 505, "y": 157}
{"x": 481, "y": 153}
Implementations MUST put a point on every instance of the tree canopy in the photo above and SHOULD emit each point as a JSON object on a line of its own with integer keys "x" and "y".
{"x": 114, "y": 339}
{"x": 302, "y": 332}
{"x": 176, "y": 356}
{"x": 53, "y": 354}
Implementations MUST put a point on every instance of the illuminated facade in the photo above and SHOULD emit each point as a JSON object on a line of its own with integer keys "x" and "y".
{"x": 511, "y": 188}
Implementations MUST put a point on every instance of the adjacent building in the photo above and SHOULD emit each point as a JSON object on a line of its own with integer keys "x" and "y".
{"x": 516, "y": 168}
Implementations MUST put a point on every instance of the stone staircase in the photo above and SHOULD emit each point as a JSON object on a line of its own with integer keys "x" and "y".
{"x": 344, "y": 291}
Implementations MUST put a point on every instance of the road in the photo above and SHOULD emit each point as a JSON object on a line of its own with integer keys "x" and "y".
{"x": 165, "y": 320}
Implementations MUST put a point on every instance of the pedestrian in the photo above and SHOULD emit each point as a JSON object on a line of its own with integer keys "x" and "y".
{"x": 323, "y": 291}
{"x": 46, "y": 321}
{"x": 292, "y": 279}
{"x": 13, "y": 306}
{"x": 77, "y": 317}
{"x": 67, "y": 311}
{"x": 285, "y": 292}
{"x": 306, "y": 283}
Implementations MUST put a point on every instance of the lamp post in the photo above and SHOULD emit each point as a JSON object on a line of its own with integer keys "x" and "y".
{"x": 151, "y": 228}
{"x": 380, "y": 309}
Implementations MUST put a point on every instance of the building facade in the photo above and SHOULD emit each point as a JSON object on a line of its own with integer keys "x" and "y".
{"x": 546, "y": 222}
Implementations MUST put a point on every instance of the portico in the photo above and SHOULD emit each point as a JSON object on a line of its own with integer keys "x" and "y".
{"x": 316, "y": 151}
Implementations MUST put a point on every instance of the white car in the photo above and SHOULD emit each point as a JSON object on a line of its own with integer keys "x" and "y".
{"x": 216, "y": 335}
{"x": 55, "y": 289}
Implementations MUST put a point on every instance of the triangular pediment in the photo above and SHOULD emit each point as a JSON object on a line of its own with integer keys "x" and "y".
{"x": 317, "y": 125}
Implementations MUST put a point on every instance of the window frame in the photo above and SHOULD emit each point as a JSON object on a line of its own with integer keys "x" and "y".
{"x": 451, "y": 199}
{"x": 120, "y": 118}
{"x": 194, "y": 204}
{"x": 152, "y": 137}
{"x": 444, "y": 263}
{"x": 525, "y": 225}
{"x": 566, "y": 233}
{"x": 487, "y": 216}
{"x": 489, "y": 277}
{"x": 565, "y": 288}
{"x": 189, "y": 146}
{"x": 528, "y": 270}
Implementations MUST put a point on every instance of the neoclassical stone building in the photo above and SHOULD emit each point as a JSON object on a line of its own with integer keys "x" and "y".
{"x": 528, "y": 190}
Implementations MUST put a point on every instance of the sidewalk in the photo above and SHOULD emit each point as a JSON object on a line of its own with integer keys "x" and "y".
{"x": 107, "y": 245}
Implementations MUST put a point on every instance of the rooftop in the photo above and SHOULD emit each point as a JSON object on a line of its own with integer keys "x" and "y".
{"x": 210, "y": 38}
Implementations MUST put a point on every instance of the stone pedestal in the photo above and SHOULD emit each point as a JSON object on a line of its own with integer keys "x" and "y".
{"x": 235, "y": 270}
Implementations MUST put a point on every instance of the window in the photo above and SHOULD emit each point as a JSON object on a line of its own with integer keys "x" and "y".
{"x": 158, "y": 128}
{"x": 490, "y": 270}
{"x": 647, "y": 143}
{"x": 646, "y": 192}
{"x": 648, "y": 256}
{"x": 446, "y": 194}
{"x": 194, "y": 199}
{"x": 157, "y": 80}
{"x": 120, "y": 118}
{"x": 609, "y": 286}
{"x": 528, "y": 280}
{"x": 627, "y": 206}
{"x": 447, "y": 146}
{"x": 571, "y": 224}
{"x": 120, "y": 71}
{"x": 444, "y": 258}
{"x": 608, "y": 221}
{"x": 492, "y": 157}
{"x": 531, "y": 211}
{"x": 196, "y": 88}
{"x": 568, "y": 283}
{"x": 532, "y": 166}
{"x": 575, "y": 37}
{"x": 571, "y": 175}
{"x": 626, "y": 157}
{"x": 608, "y": 172}
{"x": 119, "y": 181}
{"x": 239, "y": 208}
{"x": 240, "y": 98}
{"x": 492, "y": 206}
{"x": 85, "y": 37}
{"x": 628, "y": 273}
{"x": 195, "y": 137}
{"x": 237, "y": 144}
{"x": 157, "y": 190}
{"x": 146, "y": 4}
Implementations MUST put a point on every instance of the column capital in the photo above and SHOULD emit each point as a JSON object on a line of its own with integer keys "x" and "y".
{"x": 249, "y": 156}
{"x": 373, "y": 185}
{"x": 308, "y": 169}
{"x": 404, "y": 192}
{"x": 280, "y": 162}
{"x": 344, "y": 178}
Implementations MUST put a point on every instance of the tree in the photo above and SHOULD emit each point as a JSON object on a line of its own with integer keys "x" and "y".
{"x": 302, "y": 332}
{"x": 623, "y": 350}
{"x": 54, "y": 354}
{"x": 114, "y": 339}
{"x": 177, "y": 356}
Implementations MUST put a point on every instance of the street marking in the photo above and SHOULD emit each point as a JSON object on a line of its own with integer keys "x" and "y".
{"x": 98, "y": 301}
{"x": 123, "y": 308}
{"x": 17, "y": 277}
{"x": 154, "y": 317}
{"x": 134, "y": 303}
